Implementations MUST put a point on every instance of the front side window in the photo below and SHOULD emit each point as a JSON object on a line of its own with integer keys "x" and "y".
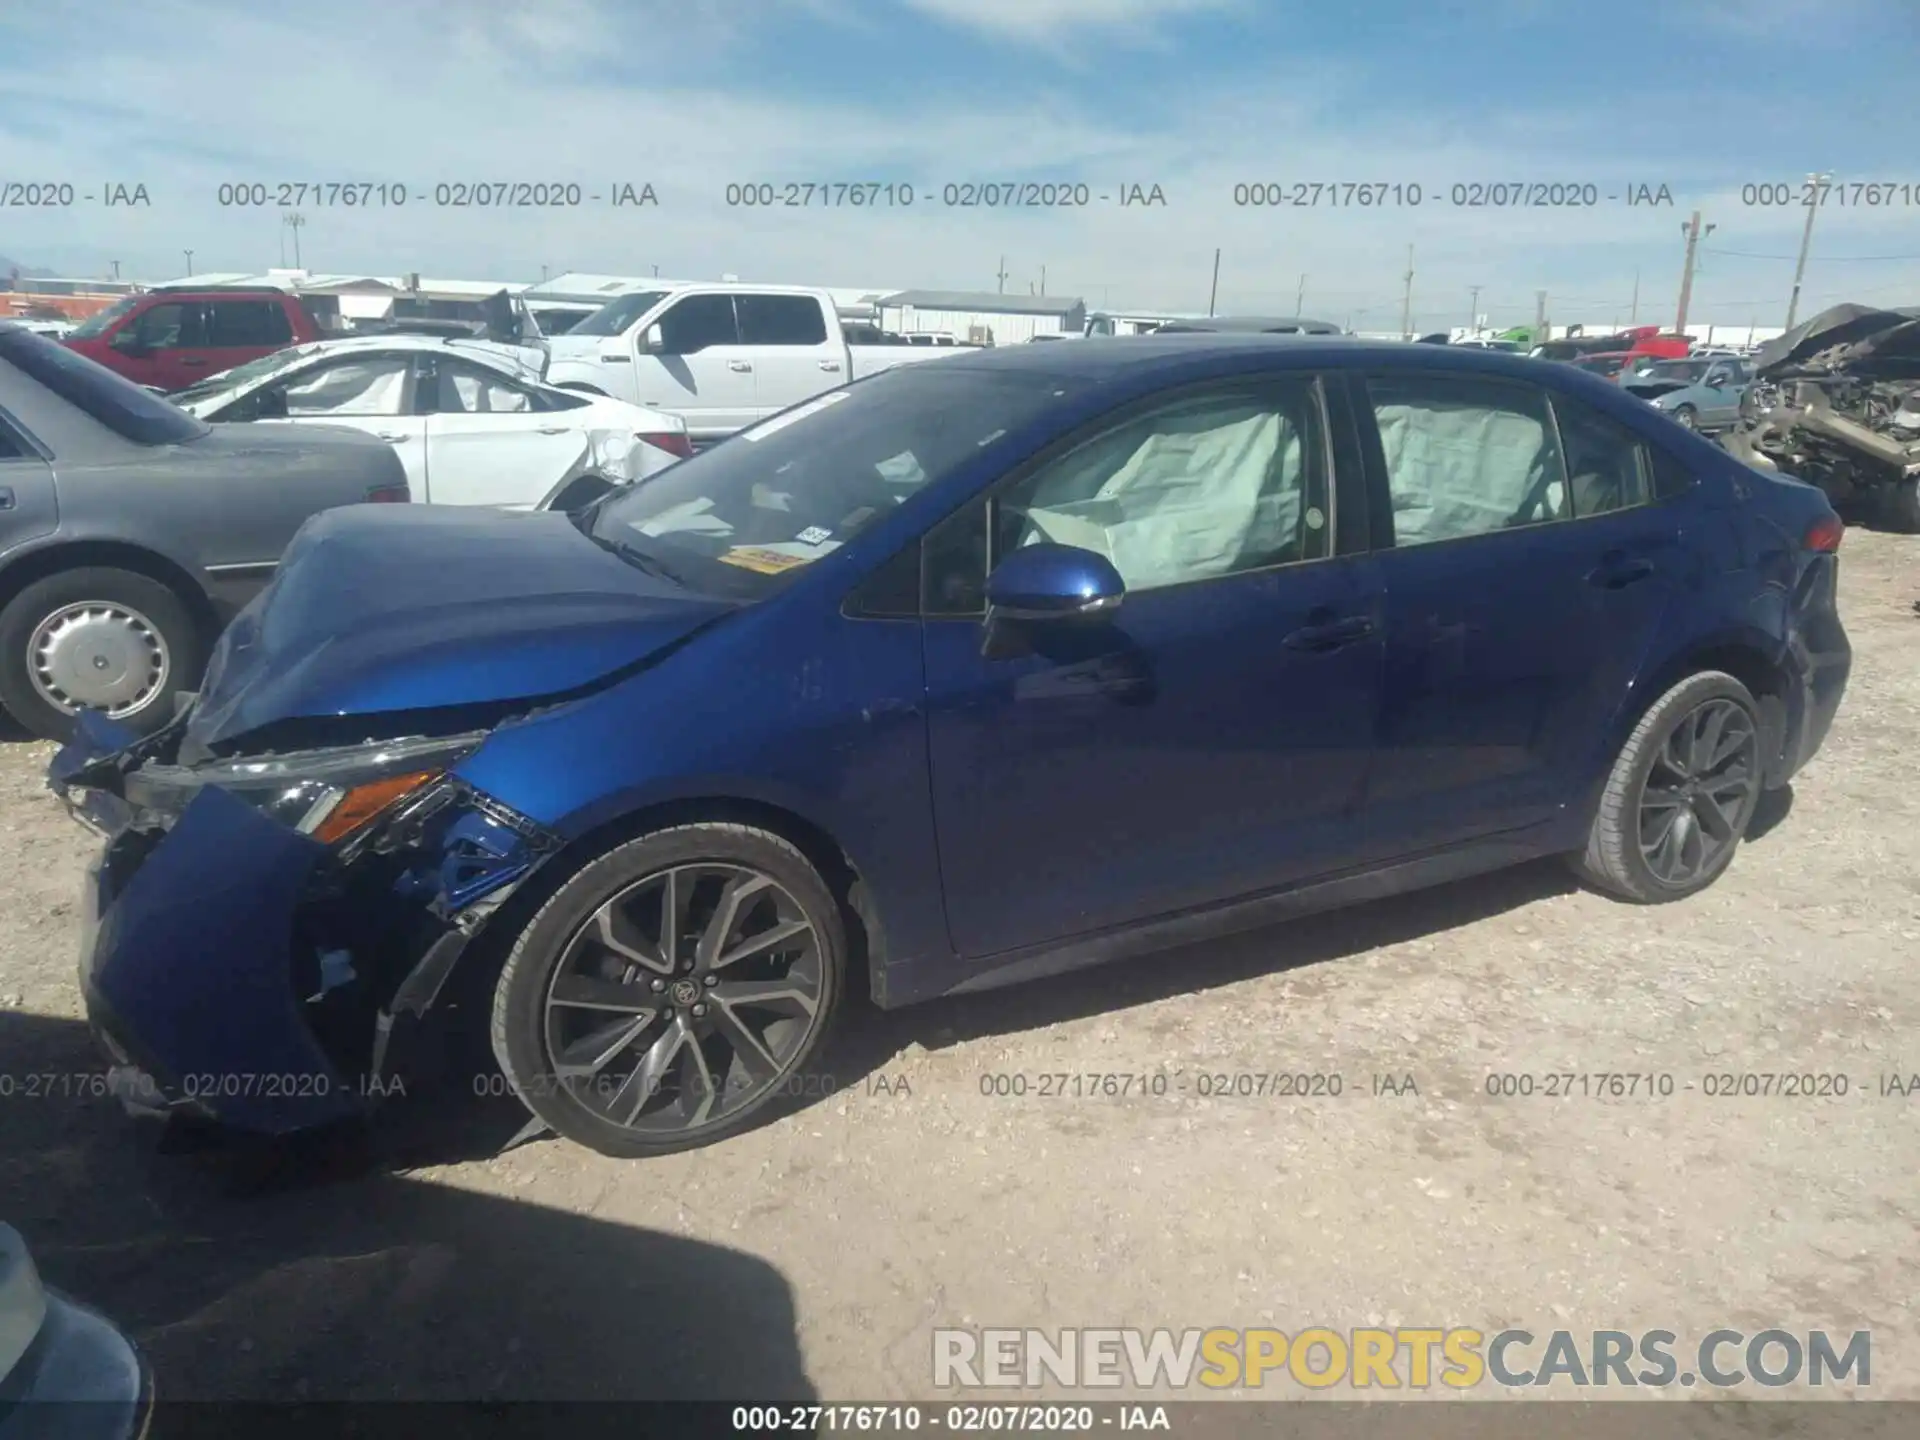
{"x": 697, "y": 322}
{"x": 780, "y": 320}
{"x": 1203, "y": 487}
{"x": 1466, "y": 456}
{"x": 617, "y": 316}
{"x": 99, "y": 324}
{"x": 365, "y": 385}
{"x": 172, "y": 326}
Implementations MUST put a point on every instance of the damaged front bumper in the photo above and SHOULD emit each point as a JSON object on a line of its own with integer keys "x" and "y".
{"x": 242, "y": 971}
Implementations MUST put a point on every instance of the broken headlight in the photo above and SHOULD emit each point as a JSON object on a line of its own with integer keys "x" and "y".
{"x": 329, "y": 794}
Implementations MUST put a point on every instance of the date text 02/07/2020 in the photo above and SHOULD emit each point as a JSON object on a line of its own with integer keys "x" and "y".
{"x": 1457, "y": 195}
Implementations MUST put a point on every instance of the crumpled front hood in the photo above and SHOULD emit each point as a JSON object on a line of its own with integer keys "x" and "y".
{"x": 1857, "y": 334}
{"x": 380, "y": 609}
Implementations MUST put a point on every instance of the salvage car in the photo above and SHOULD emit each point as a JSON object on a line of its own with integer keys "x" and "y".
{"x": 131, "y": 532}
{"x": 955, "y": 677}
{"x": 1702, "y": 394}
{"x": 1836, "y": 402}
{"x": 66, "y": 1372}
{"x": 472, "y": 421}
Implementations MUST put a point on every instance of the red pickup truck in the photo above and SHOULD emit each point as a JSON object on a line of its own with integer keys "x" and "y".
{"x": 170, "y": 338}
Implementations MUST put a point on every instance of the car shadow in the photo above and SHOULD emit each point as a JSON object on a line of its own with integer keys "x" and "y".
{"x": 871, "y": 1036}
{"x": 1769, "y": 813}
{"x": 379, "y": 1287}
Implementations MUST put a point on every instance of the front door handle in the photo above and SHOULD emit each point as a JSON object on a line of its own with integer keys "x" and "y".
{"x": 1330, "y": 634}
{"x": 391, "y": 438}
{"x": 739, "y": 366}
{"x": 1617, "y": 572}
{"x": 829, "y": 364}
{"x": 555, "y": 429}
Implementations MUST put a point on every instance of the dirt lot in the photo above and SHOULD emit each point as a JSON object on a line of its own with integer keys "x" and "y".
{"x": 815, "y": 1255}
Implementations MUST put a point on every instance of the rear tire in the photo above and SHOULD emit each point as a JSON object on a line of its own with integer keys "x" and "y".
{"x": 1687, "y": 416}
{"x": 634, "y": 1037}
{"x": 82, "y": 637}
{"x": 1900, "y": 507}
{"x": 1680, "y": 795}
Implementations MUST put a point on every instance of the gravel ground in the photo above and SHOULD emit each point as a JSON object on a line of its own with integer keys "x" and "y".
{"x": 815, "y": 1255}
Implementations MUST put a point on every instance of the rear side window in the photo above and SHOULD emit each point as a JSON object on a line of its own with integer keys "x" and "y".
{"x": 1466, "y": 456}
{"x": 698, "y": 322}
{"x": 111, "y": 400}
{"x": 1607, "y": 465}
{"x": 469, "y": 390}
{"x": 780, "y": 320}
{"x": 247, "y": 322}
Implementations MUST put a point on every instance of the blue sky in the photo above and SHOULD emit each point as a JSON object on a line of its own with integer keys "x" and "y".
{"x": 1195, "y": 96}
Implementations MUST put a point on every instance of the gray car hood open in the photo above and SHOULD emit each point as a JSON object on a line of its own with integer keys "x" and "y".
{"x": 1845, "y": 337}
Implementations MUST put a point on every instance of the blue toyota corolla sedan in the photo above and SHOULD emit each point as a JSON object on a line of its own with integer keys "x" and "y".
{"x": 961, "y": 675}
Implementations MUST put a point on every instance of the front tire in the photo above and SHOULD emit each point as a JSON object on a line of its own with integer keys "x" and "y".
{"x": 1687, "y": 416}
{"x": 672, "y": 991}
{"x": 96, "y": 638}
{"x": 1680, "y": 796}
{"x": 1900, "y": 507}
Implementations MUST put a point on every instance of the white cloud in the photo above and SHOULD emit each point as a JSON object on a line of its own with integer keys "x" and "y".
{"x": 1048, "y": 22}
{"x": 192, "y": 96}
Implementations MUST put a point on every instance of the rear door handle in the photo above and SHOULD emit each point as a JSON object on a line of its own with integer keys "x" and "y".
{"x": 391, "y": 438}
{"x": 1330, "y": 635}
{"x": 829, "y": 364}
{"x": 1618, "y": 573}
{"x": 555, "y": 429}
{"x": 739, "y": 365}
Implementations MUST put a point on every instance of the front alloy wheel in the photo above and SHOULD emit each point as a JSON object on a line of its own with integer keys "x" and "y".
{"x": 670, "y": 991}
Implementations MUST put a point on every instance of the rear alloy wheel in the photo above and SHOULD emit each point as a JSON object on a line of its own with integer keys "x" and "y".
{"x": 96, "y": 639}
{"x": 1680, "y": 795}
{"x": 671, "y": 991}
{"x": 1687, "y": 416}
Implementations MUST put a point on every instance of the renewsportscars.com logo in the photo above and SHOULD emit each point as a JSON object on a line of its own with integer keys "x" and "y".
{"x": 1392, "y": 1359}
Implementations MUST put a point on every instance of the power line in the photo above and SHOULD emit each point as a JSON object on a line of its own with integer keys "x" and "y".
{"x": 1824, "y": 259}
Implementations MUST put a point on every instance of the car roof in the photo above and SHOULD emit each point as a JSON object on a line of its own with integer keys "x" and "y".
{"x": 504, "y": 357}
{"x": 1142, "y": 356}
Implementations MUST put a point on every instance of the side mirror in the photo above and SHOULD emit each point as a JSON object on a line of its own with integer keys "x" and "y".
{"x": 1052, "y": 583}
{"x": 654, "y": 341}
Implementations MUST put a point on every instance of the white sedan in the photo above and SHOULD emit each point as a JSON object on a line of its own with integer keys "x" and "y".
{"x": 473, "y": 422}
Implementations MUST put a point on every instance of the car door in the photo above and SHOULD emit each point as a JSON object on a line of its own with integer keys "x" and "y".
{"x": 1211, "y": 741}
{"x": 236, "y": 331}
{"x": 151, "y": 344}
{"x": 794, "y": 355}
{"x": 370, "y": 390}
{"x": 1527, "y": 570}
{"x": 1720, "y": 391}
{"x": 488, "y": 442}
{"x": 699, "y": 369}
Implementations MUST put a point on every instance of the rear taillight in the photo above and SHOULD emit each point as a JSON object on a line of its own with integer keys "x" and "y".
{"x": 1825, "y": 534}
{"x": 389, "y": 495}
{"x": 674, "y": 442}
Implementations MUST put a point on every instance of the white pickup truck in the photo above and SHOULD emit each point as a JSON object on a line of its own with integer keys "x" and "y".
{"x": 722, "y": 357}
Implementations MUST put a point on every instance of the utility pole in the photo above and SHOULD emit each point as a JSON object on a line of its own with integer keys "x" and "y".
{"x": 1540, "y": 335}
{"x": 1300, "y": 298}
{"x": 656, "y": 272}
{"x": 1633, "y": 318}
{"x": 116, "y": 269}
{"x": 1003, "y": 275}
{"x": 1043, "y": 279}
{"x": 1473, "y": 309}
{"x": 1693, "y": 232}
{"x": 1406, "y": 300}
{"x": 1806, "y": 242}
{"x": 294, "y": 220}
{"x": 189, "y": 255}
{"x": 543, "y": 274}
{"x": 1214, "y": 293}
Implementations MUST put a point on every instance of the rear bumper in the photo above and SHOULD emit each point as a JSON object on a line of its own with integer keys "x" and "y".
{"x": 1821, "y": 660}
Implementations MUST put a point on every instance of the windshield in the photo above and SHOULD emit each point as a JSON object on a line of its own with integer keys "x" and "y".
{"x": 117, "y": 403}
{"x": 98, "y": 325}
{"x": 617, "y": 317}
{"x": 795, "y": 488}
{"x": 241, "y": 375}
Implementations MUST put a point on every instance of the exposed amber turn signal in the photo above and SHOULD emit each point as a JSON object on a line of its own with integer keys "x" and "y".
{"x": 364, "y": 802}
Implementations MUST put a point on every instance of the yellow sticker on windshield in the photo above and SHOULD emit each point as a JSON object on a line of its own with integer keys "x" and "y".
{"x": 767, "y": 562}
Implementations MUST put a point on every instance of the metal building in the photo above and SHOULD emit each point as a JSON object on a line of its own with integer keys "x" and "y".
{"x": 972, "y": 317}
